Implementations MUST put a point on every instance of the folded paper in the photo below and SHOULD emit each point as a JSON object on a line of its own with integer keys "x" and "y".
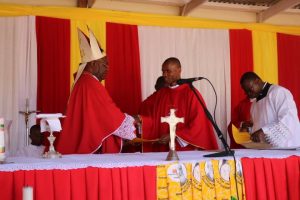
{"x": 50, "y": 122}
{"x": 240, "y": 137}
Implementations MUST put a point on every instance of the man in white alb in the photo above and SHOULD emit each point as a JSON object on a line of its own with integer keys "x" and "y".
{"x": 274, "y": 112}
{"x": 36, "y": 148}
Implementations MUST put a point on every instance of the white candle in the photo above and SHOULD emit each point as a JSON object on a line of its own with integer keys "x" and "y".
{"x": 27, "y": 193}
{"x": 2, "y": 140}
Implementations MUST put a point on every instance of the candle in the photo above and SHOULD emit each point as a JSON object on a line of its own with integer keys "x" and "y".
{"x": 2, "y": 140}
{"x": 27, "y": 193}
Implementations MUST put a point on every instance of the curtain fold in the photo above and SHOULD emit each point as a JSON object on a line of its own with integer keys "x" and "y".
{"x": 53, "y": 43}
{"x": 124, "y": 78}
{"x": 62, "y": 191}
{"x": 265, "y": 55}
{"x": 85, "y": 183}
{"x": 271, "y": 178}
{"x": 203, "y": 52}
{"x": 18, "y": 77}
{"x": 42, "y": 186}
{"x": 289, "y": 64}
{"x": 241, "y": 60}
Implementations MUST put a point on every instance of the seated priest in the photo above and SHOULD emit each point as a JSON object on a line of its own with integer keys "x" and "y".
{"x": 93, "y": 123}
{"x": 160, "y": 83}
{"x": 274, "y": 112}
{"x": 36, "y": 148}
{"x": 144, "y": 107}
{"x": 195, "y": 133}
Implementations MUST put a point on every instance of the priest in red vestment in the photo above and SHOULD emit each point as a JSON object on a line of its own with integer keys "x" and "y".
{"x": 195, "y": 133}
{"x": 93, "y": 122}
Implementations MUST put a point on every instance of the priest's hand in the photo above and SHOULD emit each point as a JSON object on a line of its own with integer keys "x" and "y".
{"x": 140, "y": 140}
{"x": 245, "y": 126}
{"x": 137, "y": 119}
{"x": 258, "y": 136}
{"x": 164, "y": 139}
{"x": 130, "y": 143}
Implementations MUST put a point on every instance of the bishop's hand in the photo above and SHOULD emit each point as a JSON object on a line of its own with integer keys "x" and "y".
{"x": 137, "y": 119}
{"x": 164, "y": 139}
{"x": 246, "y": 126}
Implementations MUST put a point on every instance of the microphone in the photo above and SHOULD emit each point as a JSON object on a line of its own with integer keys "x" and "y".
{"x": 188, "y": 80}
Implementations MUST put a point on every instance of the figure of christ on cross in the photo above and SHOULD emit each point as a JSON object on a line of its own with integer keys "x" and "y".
{"x": 172, "y": 120}
{"x": 26, "y": 114}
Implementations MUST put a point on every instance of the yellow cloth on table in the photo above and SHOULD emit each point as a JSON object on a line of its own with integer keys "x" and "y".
{"x": 162, "y": 184}
{"x": 236, "y": 183}
{"x": 174, "y": 181}
{"x": 240, "y": 137}
{"x": 196, "y": 181}
{"x": 222, "y": 179}
{"x": 200, "y": 180}
{"x": 207, "y": 180}
{"x": 243, "y": 138}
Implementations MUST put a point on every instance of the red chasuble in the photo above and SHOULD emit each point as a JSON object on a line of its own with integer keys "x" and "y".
{"x": 91, "y": 118}
{"x": 196, "y": 129}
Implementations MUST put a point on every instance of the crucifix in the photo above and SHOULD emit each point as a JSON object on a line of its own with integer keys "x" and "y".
{"x": 26, "y": 114}
{"x": 172, "y": 120}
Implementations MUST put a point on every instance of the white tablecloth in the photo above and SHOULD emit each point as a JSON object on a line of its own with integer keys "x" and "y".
{"x": 127, "y": 160}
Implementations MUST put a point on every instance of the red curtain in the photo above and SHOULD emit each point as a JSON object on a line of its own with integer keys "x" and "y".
{"x": 124, "y": 78}
{"x": 53, "y": 52}
{"x": 267, "y": 178}
{"x": 289, "y": 64}
{"x": 241, "y": 58}
{"x": 128, "y": 183}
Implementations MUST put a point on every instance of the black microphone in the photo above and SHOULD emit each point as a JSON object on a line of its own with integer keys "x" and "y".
{"x": 188, "y": 80}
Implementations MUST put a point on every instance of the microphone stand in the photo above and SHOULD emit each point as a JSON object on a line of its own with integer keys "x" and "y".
{"x": 227, "y": 151}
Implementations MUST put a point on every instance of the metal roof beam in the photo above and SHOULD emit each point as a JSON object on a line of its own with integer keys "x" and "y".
{"x": 85, "y": 3}
{"x": 188, "y": 7}
{"x": 275, "y": 9}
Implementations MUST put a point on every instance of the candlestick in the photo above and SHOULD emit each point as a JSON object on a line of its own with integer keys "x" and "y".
{"x": 27, "y": 193}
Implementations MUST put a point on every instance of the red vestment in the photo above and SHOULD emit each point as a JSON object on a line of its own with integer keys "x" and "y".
{"x": 241, "y": 113}
{"x": 196, "y": 130}
{"x": 91, "y": 119}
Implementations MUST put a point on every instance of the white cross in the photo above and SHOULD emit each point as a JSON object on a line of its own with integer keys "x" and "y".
{"x": 172, "y": 120}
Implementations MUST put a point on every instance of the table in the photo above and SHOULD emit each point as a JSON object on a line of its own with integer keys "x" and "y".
{"x": 133, "y": 176}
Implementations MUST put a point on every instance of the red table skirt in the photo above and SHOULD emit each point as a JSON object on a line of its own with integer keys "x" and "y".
{"x": 137, "y": 183}
{"x": 265, "y": 178}
{"x": 269, "y": 179}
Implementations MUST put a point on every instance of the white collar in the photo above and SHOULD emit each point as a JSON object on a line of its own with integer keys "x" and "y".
{"x": 174, "y": 86}
{"x": 264, "y": 85}
{"x": 95, "y": 77}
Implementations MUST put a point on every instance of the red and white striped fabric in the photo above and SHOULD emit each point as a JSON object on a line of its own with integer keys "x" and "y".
{"x": 36, "y": 65}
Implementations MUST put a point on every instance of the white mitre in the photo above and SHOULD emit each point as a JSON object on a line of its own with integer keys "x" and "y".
{"x": 89, "y": 50}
